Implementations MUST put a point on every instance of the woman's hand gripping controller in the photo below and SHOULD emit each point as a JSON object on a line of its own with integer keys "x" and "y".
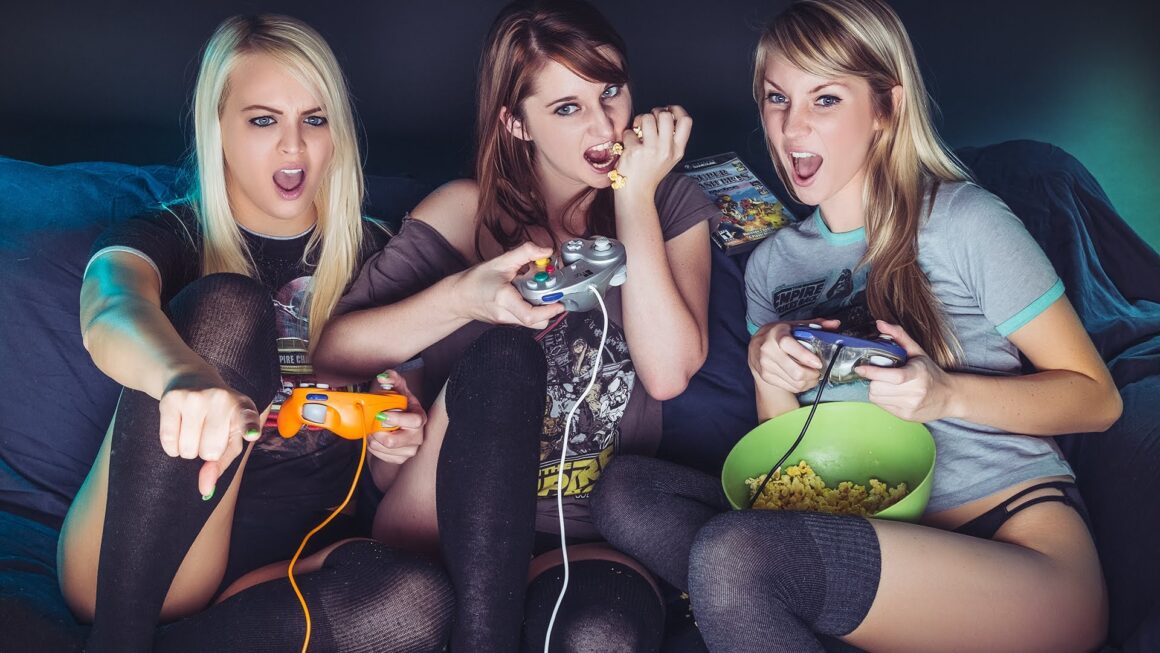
{"x": 486, "y": 293}
{"x": 777, "y": 358}
{"x": 402, "y": 433}
{"x": 919, "y": 391}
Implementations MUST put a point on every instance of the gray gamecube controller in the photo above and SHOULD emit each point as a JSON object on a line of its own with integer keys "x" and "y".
{"x": 584, "y": 263}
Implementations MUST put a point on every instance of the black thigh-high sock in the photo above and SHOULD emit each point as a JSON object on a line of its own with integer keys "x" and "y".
{"x": 609, "y": 607}
{"x": 652, "y": 509}
{"x": 366, "y": 598}
{"x": 154, "y": 512}
{"x": 485, "y": 485}
{"x": 775, "y": 580}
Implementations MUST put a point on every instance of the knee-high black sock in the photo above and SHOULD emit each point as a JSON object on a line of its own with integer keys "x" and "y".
{"x": 609, "y": 607}
{"x": 153, "y": 513}
{"x": 366, "y": 598}
{"x": 485, "y": 487}
{"x": 652, "y": 509}
{"x": 774, "y": 580}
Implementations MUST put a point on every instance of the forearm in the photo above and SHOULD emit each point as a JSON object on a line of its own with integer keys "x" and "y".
{"x": 1051, "y": 402}
{"x": 133, "y": 342}
{"x": 357, "y": 346}
{"x": 667, "y": 336}
{"x": 772, "y": 400}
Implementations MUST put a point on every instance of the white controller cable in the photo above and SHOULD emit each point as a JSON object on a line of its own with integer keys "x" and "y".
{"x": 564, "y": 454}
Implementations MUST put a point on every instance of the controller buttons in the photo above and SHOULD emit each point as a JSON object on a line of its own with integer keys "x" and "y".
{"x": 542, "y": 263}
{"x": 548, "y": 299}
{"x": 315, "y": 396}
{"x": 315, "y": 413}
{"x": 550, "y": 268}
{"x": 619, "y": 278}
{"x": 541, "y": 277}
{"x": 881, "y": 361}
{"x": 573, "y": 245}
{"x": 601, "y": 245}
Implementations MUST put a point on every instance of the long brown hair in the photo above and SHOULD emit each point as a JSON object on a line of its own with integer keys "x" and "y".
{"x": 906, "y": 162}
{"x": 524, "y": 37}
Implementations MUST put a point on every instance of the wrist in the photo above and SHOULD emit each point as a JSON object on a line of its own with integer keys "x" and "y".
{"x": 192, "y": 374}
{"x": 455, "y": 295}
{"x": 954, "y": 405}
{"x": 636, "y": 191}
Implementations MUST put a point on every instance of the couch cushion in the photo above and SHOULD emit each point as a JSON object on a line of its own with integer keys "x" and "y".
{"x": 719, "y": 406}
{"x": 56, "y": 404}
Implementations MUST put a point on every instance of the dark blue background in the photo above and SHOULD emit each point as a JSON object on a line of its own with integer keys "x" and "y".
{"x": 110, "y": 80}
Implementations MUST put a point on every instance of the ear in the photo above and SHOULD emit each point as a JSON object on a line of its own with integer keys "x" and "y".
{"x": 514, "y": 125}
{"x": 896, "y": 104}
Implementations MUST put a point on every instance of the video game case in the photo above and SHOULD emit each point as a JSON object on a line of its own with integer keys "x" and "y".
{"x": 750, "y": 212}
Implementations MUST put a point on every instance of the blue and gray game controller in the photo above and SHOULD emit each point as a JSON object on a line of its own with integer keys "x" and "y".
{"x": 880, "y": 352}
{"x": 584, "y": 264}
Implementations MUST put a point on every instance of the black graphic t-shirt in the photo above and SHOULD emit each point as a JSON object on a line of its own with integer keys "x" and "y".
{"x": 570, "y": 349}
{"x": 314, "y": 467}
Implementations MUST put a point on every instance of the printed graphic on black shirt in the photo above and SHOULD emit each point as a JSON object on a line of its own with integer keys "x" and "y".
{"x": 292, "y": 315}
{"x": 570, "y": 349}
{"x": 839, "y": 296}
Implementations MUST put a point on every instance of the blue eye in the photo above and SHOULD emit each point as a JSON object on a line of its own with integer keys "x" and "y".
{"x": 775, "y": 98}
{"x": 611, "y": 91}
{"x": 567, "y": 109}
{"x": 828, "y": 100}
{"x": 262, "y": 121}
{"x": 315, "y": 121}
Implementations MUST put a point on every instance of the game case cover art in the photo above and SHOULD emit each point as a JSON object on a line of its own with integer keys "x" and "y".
{"x": 749, "y": 210}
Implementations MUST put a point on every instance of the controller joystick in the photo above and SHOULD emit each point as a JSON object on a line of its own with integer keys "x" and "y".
{"x": 881, "y": 351}
{"x": 351, "y": 415}
{"x": 584, "y": 263}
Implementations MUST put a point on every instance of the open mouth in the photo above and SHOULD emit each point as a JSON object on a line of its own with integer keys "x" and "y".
{"x": 601, "y": 158}
{"x": 290, "y": 181}
{"x": 805, "y": 166}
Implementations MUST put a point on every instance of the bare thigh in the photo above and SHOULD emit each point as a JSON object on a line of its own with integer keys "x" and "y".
{"x": 1036, "y": 587}
{"x": 79, "y": 549}
{"x": 406, "y": 516}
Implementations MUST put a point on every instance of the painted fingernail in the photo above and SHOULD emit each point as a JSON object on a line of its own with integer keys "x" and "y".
{"x": 252, "y": 434}
{"x": 384, "y": 378}
{"x": 207, "y": 497}
{"x": 384, "y": 417}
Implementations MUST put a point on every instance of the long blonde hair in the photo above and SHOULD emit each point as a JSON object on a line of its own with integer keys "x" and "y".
{"x": 335, "y": 243}
{"x": 907, "y": 159}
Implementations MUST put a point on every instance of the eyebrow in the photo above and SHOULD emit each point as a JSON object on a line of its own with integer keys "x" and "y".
{"x": 262, "y": 107}
{"x": 570, "y": 98}
{"x": 812, "y": 90}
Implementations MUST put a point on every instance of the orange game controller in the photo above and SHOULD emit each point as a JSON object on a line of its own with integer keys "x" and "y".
{"x": 351, "y": 415}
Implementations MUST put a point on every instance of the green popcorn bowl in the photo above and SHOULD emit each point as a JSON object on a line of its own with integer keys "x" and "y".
{"x": 846, "y": 441}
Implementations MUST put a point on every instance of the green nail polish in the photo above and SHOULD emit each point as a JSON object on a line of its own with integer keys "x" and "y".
{"x": 207, "y": 497}
{"x": 252, "y": 434}
{"x": 382, "y": 416}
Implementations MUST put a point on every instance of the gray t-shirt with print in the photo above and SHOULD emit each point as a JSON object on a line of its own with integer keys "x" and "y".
{"x": 991, "y": 277}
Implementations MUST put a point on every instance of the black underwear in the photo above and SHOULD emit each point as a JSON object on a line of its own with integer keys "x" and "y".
{"x": 988, "y": 523}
